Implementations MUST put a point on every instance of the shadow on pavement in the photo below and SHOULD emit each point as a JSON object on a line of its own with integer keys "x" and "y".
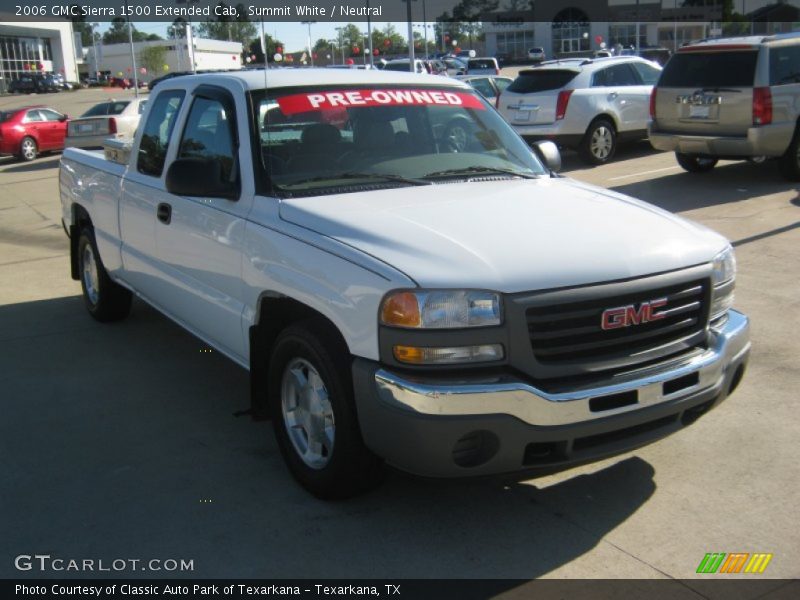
{"x": 732, "y": 182}
{"x": 40, "y": 164}
{"x": 625, "y": 151}
{"x": 122, "y": 442}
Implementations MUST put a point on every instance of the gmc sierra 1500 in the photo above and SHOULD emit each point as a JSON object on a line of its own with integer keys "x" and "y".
{"x": 405, "y": 279}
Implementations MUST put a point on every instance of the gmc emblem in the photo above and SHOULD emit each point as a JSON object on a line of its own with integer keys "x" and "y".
{"x": 625, "y": 316}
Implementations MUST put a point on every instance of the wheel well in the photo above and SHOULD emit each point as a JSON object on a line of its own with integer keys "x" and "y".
{"x": 276, "y": 312}
{"x": 605, "y": 117}
{"x": 80, "y": 219}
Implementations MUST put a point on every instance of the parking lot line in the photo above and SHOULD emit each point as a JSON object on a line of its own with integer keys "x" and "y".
{"x": 629, "y": 175}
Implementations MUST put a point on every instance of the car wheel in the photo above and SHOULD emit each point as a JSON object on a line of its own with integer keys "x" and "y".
{"x": 696, "y": 164}
{"x": 790, "y": 161}
{"x": 456, "y": 136}
{"x": 105, "y": 300}
{"x": 599, "y": 143}
{"x": 310, "y": 394}
{"x": 28, "y": 149}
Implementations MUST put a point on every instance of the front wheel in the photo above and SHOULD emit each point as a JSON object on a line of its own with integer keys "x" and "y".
{"x": 695, "y": 164}
{"x": 599, "y": 143}
{"x": 105, "y": 300}
{"x": 313, "y": 413}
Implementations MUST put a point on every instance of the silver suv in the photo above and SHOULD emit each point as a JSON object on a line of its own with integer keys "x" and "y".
{"x": 585, "y": 104}
{"x": 730, "y": 98}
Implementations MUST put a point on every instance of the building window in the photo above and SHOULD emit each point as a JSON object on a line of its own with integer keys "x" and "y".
{"x": 570, "y": 32}
{"x": 23, "y": 55}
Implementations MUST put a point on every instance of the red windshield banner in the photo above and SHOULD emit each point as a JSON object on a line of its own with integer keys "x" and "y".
{"x": 313, "y": 101}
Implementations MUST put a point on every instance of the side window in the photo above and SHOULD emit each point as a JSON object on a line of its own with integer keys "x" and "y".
{"x": 600, "y": 79}
{"x": 209, "y": 134}
{"x": 33, "y": 116}
{"x": 502, "y": 83}
{"x": 157, "y": 132}
{"x": 620, "y": 75}
{"x": 648, "y": 73}
{"x": 784, "y": 65}
{"x": 49, "y": 115}
{"x": 483, "y": 86}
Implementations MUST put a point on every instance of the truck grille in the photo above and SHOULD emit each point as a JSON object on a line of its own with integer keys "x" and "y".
{"x": 561, "y": 333}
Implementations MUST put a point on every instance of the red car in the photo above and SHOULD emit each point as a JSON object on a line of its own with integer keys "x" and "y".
{"x": 25, "y": 132}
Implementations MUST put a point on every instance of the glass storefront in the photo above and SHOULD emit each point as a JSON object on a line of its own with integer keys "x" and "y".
{"x": 515, "y": 44}
{"x": 20, "y": 55}
{"x": 570, "y": 32}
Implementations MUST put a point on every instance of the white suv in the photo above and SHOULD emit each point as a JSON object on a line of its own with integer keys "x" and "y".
{"x": 585, "y": 104}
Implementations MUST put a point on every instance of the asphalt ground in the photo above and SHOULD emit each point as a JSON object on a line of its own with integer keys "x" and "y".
{"x": 123, "y": 441}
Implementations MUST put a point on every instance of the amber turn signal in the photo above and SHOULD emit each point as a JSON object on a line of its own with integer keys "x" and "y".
{"x": 401, "y": 310}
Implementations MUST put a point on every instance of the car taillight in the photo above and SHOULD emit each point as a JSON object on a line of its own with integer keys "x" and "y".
{"x": 497, "y": 71}
{"x": 497, "y": 101}
{"x": 112, "y": 125}
{"x": 762, "y": 106}
{"x": 653, "y": 103}
{"x": 561, "y": 104}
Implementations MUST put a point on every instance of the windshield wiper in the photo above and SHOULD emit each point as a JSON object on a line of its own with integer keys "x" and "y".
{"x": 356, "y": 175}
{"x": 475, "y": 169}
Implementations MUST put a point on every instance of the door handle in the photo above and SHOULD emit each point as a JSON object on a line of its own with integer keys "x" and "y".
{"x": 613, "y": 96}
{"x": 164, "y": 213}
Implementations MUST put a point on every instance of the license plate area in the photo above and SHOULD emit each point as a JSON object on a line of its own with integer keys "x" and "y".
{"x": 699, "y": 111}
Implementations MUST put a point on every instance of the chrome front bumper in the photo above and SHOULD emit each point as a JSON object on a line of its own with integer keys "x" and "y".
{"x": 457, "y": 428}
{"x": 537, "y": 407}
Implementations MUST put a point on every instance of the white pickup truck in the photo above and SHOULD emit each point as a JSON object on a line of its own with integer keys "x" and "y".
{"x": 405, "y": 279}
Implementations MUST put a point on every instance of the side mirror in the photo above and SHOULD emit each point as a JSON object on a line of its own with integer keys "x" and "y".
{"x": 63, "y": 118}
{"x": 548, "y": 153}
{"x": 201, "y": 177}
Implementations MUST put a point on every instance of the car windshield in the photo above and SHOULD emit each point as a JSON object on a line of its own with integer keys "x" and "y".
{"x": 710, "y": 69}
{"x": 105, "y": 108}
{"x": 336, "y": 140}
{"x": 5, "y": 115}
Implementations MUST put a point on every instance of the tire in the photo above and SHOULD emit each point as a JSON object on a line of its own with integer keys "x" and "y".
{"x": 790, "y": 161}
{"x": 599, "y": 143}
{"x": 456, "y": 136}
{"x": 696, "y": 164}
{"x": 105, "y": 300}
{"x": 28, "y": 149}
{"x": 311, "y": 366}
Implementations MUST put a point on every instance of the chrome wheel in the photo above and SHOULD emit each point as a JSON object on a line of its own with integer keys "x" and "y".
{"x": 28, "y": 149}
{"x": 307, "y": 413}
{"x": 602, "y": 142}
{"x": 90, "y": 276}
{"x": 457, "y": 136}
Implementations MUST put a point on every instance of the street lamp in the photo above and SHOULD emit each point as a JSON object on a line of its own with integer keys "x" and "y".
{"x": 310, "y": 52}
{"x": 133, "y": 54}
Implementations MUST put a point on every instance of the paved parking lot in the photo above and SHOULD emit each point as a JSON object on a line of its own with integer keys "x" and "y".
{"x": 122, "y": 441}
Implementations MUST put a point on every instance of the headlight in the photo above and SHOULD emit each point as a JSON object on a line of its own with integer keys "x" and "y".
{"x": 441, "y": 309}
{"x": 723, "y": 277}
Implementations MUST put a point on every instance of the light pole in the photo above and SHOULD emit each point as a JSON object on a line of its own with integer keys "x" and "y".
{"x": 94, "y": 48}
{"x": 425, "y": 28}
{"x": 133, "y": 54}
{"x": 310, "y": 52}
{"x": 411, "y": 58}
{"x": 369, "y": 37}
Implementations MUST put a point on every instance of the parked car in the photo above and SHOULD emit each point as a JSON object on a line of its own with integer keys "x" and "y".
{"x": 437, "y": 66}
{"x": 731, "y": 99}
{"x": 488, "y": 86}
{"x": 483, "y": 66}
{"x": 455, "y": 66}
{"x": 396, "y": 300}
{"x": 35, "y": 83}
{"x": 466, "y": 54}
{"x": 585, "y": 104}
{"x": 402, "y": 65}
{"x": 536, "y": 54}
{"x": 115, "y": 117}
{"x": 28, "y": 131}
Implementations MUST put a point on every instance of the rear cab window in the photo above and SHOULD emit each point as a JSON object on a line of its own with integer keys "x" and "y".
{"x": 157, "y": 132}
{"x": 710, "y": 69}
{"x": 532, "y": 81}
{"x": 481, "y": 63}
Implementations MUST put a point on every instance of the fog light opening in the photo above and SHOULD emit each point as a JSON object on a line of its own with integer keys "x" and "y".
{"x": 475, "y": 448}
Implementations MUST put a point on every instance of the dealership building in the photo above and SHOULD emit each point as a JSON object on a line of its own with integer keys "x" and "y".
{"x": 40, "y": 46}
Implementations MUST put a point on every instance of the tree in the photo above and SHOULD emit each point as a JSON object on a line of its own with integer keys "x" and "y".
{"x": 272, "y": 45}
{"x": 178, "y": 29}
{"x": 118, "y": 33}
{"x": 153, "y": 58}
{"x": 225, "y": 27}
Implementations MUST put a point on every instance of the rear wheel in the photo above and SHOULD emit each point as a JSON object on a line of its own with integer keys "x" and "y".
{"x": 696, "y": 164}
{"x": 790, "y": 161}
{"x": 313, "y": 413}
{"x": 599, "y": 143}
{"x": 104, "y": 299}
{"x": 28, "y": 149}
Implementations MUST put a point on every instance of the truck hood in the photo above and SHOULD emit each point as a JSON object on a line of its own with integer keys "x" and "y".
{"x": 509, "y": 236}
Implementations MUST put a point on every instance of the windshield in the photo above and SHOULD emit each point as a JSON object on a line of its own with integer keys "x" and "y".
{"x": 337, "y": 140}
{"x": 106, "y": 108}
